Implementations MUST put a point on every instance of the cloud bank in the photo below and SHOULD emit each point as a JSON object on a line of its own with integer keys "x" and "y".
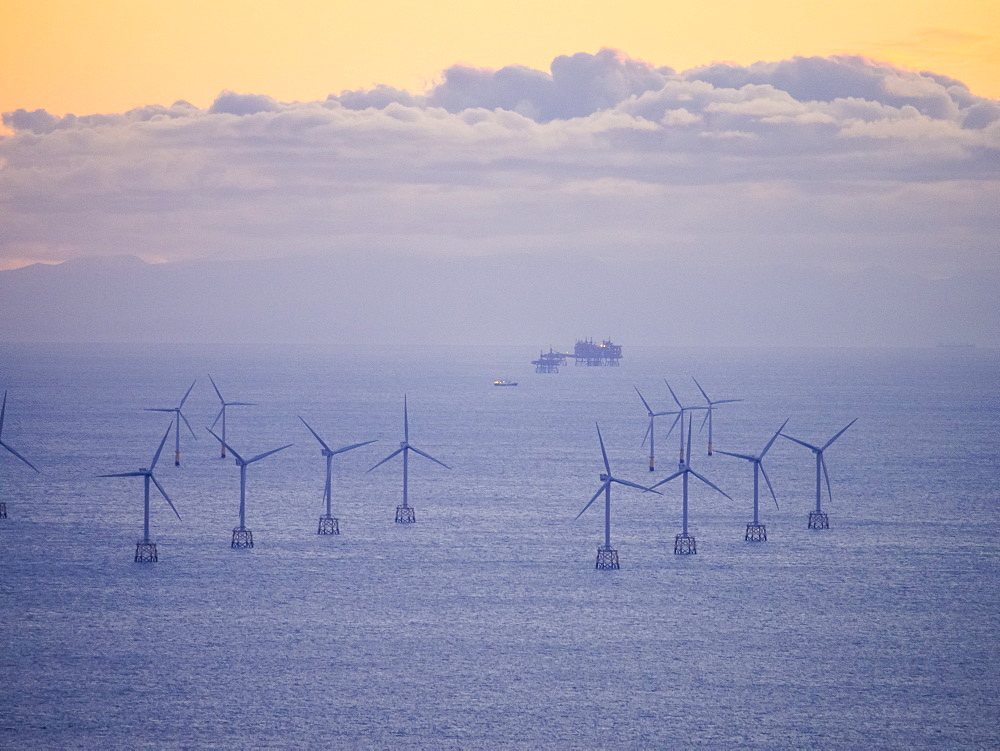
{"x": 838, "y": 162}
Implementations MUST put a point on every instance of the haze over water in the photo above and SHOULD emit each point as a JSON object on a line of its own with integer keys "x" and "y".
{"x": 485, "y": 623}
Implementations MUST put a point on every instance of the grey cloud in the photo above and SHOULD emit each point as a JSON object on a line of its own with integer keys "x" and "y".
{"x": 38, "y": 121}
{"x": 825, "y": 79}
{"x": 379, "y": 97}
{"x": 503, "y": 161}
{"x": 578, "y": 85}
{"x": 231, "y": 103}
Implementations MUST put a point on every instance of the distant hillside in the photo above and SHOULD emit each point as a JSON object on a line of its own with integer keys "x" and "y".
{"x": 395, "y": 298}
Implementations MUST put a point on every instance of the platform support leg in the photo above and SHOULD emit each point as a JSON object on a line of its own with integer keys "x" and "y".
{"x": 685, "y": 545}
{"x": 607, "y": 559}
{"x": 818, "y": 520}
{"x": 756, "y": 533}
{"x": 405, "y": 515}
{"x": 328, "y": 525}
{"x": 145, "y": 552}
{"x": 242, "y": 538}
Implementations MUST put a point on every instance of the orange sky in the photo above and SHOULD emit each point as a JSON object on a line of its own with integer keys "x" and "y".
{"x": 88, "y": 56}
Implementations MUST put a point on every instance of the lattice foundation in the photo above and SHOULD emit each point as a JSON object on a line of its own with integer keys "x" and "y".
{"x": 405, "y": 515}
{"x": 607, "y": 559}
{"x": 685, "y": 545}
{"x": 818, "y": 520}
{"x": 756, "y": 533}
{"x": 145, "y": 552}
{"x": 3, "y": 510}
{"x": 328, "y": 526}
{"x": 242, "y": 538}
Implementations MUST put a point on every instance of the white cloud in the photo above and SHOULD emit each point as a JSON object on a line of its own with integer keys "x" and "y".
{"x": 806, "y": 156}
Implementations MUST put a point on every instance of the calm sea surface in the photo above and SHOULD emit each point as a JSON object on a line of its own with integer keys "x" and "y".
{"x": 485, "y": 624}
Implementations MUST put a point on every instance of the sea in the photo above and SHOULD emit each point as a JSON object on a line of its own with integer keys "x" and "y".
{"x": 485, "y": 623}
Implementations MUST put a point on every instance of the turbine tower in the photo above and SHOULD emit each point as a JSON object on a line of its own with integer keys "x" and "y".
{"x": 650, "y": 429}
{"x": 177, "y": 423}
{"x": 607, "y": 557}
{"x": 3, "y": 411}
{"x": 685, "y": 544}
{"x": 222, "y": 413}
{"x": 711, "y": 408}
{"x": 328, "y": 524}
{"x": 404, "y": 513}
{"x": 680, "y": 418}
{"x": 145, "y": 549}
{"x": 243, "y": 537}
{"x": 818, "y": 519}
{"x": 757, "y": 532}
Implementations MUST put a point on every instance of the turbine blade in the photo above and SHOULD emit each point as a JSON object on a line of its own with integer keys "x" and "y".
{"x": 219, "y": 416}
{"x": 164, "y": 494}
{"x": 604, "y": 453}
{"x": 774, "y": 438}
{"x": 664, "y": 482}
{"x": 241, "y": 404}
{"x": 218, "y": 393}
{"x": 3, "y": 410}
{"x": 826, "y": 474}
{"x": 705, "y": 420}
{"x": 19, "y": 456}
{"x": 674, "y": 423}
{"x": 690, "y": 417}
{"x": 159, "y": 409}
{"x": 596, "y": 496}
{"x": 406, "y": 421}
{"x": 352, "y": 447}
{"x": 315, "y": 434}
{"x": 187, "y": 393}
{"x": 842, "y": 431}
{"x": 673, "y": 394}
{"x": 649, "y": 429}
{"x": 726, "y": 401}
{"x": 268, "y": 453}
{"x": 156, "y": 456}
{"x": 768, "y": 481}
{"x": 231, "y": 449}
{"x": 644, "y": 402}
{"x": 125, "y": 474}
{"x": 803, "y": 443}
{"x": 710, "y": 483}
{"x": 428, "y": 456}
{"x": 181, "y": 415}
{"x": 635, "y": 485}
{"x": 394, "y": 453}
{"x": 738, "y": 456}
{"x": 701, "y": 390}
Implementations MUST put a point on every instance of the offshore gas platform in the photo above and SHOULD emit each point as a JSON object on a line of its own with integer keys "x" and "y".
{"x": 585, "y": 352}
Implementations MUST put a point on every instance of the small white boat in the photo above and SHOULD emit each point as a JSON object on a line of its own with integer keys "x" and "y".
{"x": 504, "y": 383}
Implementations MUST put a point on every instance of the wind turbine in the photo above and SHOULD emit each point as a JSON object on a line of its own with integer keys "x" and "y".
{"x": 684, "y": 544}
{"x": 818, "y": 519}
{"x": 757, "y": 532}
{"x": 711, "y": 407}
{"x": 680, "y": 417}
{"x": 243, "y": 537}
{"x": 145, "y": 549}
{"x": 607, "y": 557}
{"x": 650, "y": 429}
{"x": 222, "y": 413}
{"x": 328, "y": 525}
{"x": 177, "y": 423}
{"x": 3, "y": 411}
{"x": 404, "y": 513}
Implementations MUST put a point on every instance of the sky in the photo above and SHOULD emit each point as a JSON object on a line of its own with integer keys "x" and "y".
{"x": 839, "y": 136}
